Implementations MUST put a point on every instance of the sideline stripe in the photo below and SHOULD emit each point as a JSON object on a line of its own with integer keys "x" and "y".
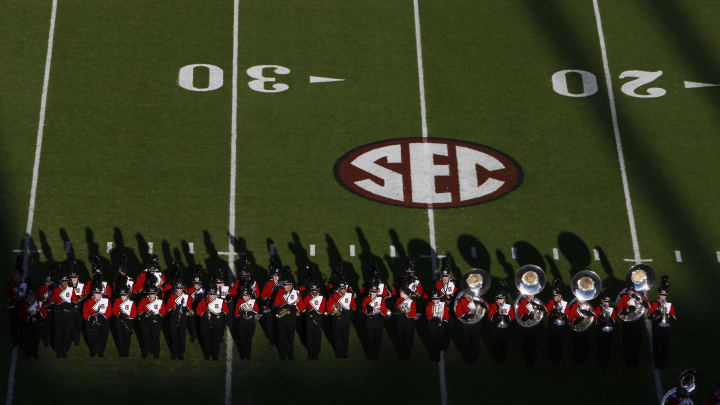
{"x": 233, "y": 173}
{"x": 623, "y": 171}
{"x": 33, "y": 186}
{"x": 430, "y": 211}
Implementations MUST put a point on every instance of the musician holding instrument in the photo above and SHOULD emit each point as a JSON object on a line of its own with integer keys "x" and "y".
{"x": 14, "y": 294}
{"x": 82, "y": 292}
{"x": 445, "y": 284}
{"x": 64, "y": 303}
{"x": 31, "y": 314}
{"x": 212, "y": 311}
{"x": 196, "y": 293}
{"x": 95, "y": 312}
{"x": 286, "y": 310}
{"x": 340, "y": 306}
{"x": 43, "y": 295}
{"x": 470, "y": 308}
{"x": 124, "y": 312}
{"x": 632, "y": 306}
{"x": 151, "y": 312}
{"x": 585, "y": 286}
{"x": 662, "y": 313}
{"x": 312, "y": 306}
{"x": 605, "y": 318}
{"x": 405, "y": 316}
{"x": 501, "y": 317}
{"x": 410, "y": 280}
{"x": 375, "y": 280}
{"x": 247, "y": 311}
{"x": 270, "y": 288}
{"x": 375, "y": 310}
{"x": 557, "y": 323}
{"x": 438, "y": 316}
{"x": 179, "y": 308}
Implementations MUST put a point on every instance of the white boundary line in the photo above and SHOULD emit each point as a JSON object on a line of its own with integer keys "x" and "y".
{"x": 231, "y": 210}
{"x": 430, "y": 211}
{"x": 623, "y": 173}
{"x": 33, "y": 186}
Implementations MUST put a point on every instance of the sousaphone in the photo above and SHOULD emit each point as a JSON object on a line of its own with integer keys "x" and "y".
{"x": 530, "y": 280}
{"x": 642, "y": 277}
{"x": 585, "y": 286}
{"x": 477, "y": 283}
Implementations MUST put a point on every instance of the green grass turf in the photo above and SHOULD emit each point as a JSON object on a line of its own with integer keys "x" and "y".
{"x": 131, "y": 157}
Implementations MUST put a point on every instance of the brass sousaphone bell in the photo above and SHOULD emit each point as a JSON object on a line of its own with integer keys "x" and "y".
{"x": 477, "y": 283}
{"x": 529, "y": 280}
{"x": 585, "y": 286}
{"x": 642, "y": 278}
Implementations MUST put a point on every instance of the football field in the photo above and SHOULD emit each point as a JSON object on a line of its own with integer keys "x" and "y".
{"x": 207, "y": 130}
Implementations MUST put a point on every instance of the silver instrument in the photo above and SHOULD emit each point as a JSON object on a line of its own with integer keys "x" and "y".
{"x": 557, "y": 315}
{"x": 477, "y": 283}
{"x": 529, "y": 280}
{"x": 642, "y": 277}
{"x": 664, "y": 312}
{"x": 605, "y": 321}
{"x": 585, "y": 286}
{"x": 686, "y": 382}
{"x": 502, "y": 324}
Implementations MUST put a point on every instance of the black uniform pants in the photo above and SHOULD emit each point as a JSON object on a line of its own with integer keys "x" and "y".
{"x": 529, "y": 339}
{"x": 500, "y": 338}
{"x": 192, "y": 327}
{"x": 471, "y": 338}
{"x": 14, "y": 327}
{"x": 286, "y": 335}
{"x": 63, "y": 327}
{"x": 556, "y": 335}
{"x": 632, "y": 341}
{"x": 406, "y": 333}
{"x": 313, "y": 334}
{"x": 374, "y": 330}
{"x": 47, "y": 328}
{"x": 341, "y": 334}
{"x": 123, "y": 332}
{"x": 178, "y": 328}
{"x": 212, "y": 329}
{"x": 581, "y": 345}
{"x": 661, "y": 345}
{"x": 77, "y": 326}
{"x": 30, "y": 332}
{"x": 604, "y": 347}
{"x": 245, "y": 330}
{"x": 437, "y": 335}
{"x": 151, "y": 328}
{"x": 268, "y": 322}
{"x": 96, "y": 334}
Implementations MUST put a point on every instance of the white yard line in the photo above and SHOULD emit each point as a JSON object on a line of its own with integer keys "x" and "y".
{"x": 623, "y": 172}
{"x": 430, "y": 211}
{"x": 233, "y": 178}
{"x": 33, "y": 186}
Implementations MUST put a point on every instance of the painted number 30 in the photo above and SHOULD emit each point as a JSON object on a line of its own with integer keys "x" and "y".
{"x": 589, "y": 86}
{"x": 260, "y": 82}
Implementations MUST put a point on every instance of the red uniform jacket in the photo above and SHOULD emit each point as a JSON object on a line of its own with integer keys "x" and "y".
{"x": 92, "y": 307}
{"x": 140, "y": 282}
{"x": 494, "y": 309}
{"x": 214, "y": 307}
{"x": 59, "y": 296}
{"x": 449, "y": 289}
{"x": 655, "y": 307}
{"x": 79, "y": 289}
{"x": 268, "y": 290}
{"x": 250, "y": 305}
{"x": 598, "y": 310}
{"x": 157, "y": 307}
{"x": 25, "y": 308}
{"x": 462, "y": 306}
{"x": 127, "y": 307}
{"x": 378, "y": 304}
{"x": 415, "y": 286}
{"x": 430, "y": 313}
{"x": 283, "y": 298}
{"x": 522, "y": 308}
{"x": 309, "y": 304}
{"x": 43, "y": 292}
{"x": 572, "y": 312}
{"x": 412, "y": 313}
{"x": 235, "y": 289}
{"x": 87, "y": 289}
{"x": 347, "y": 302}
{"x": 172, "y": 301}
{"x": 382, "y": 290}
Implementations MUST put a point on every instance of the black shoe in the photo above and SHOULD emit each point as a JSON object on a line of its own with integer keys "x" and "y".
{"x": 156, "y": 356}
{"x": 58, "y": 355}
{"x": 64, "y": 355}
{"x": 92, "y": 354}
{"x": 206, "y": 357}
{"x": 144, "y": 355}
{"x": 173, "y": 357}
{"x": 181, "y": 357}
{"x": 36, "y": 356}
{"x": 100, "y": 354}
{"x": 215, "y": 357}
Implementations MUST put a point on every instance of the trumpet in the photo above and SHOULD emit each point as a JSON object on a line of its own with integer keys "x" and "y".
{"x": 664, "y": 315}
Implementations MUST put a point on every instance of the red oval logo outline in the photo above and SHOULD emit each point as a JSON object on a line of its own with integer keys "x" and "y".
{"x": 428, "y": 172}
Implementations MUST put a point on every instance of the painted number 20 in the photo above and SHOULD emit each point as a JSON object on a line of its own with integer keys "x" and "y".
{"x": 631, "y": 88}
{"x": 260, "y": 83}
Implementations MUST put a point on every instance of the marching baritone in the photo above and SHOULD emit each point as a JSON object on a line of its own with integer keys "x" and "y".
{"x": 246, "y": 311}
{"x": 438, "y": 317}
{"x": 406, "y": 311}
{"x": 501, "y": 317}
{"x": 179, "y": 309}
{"x": 605, "y": 318}
{"x": 212, "y": 311}
{"x": 15, "y": 294}
{"x": 267, "y": 294}
{"x": 662, "y": 313}
{"x": 32, "y": 314}
{"x": 557, "y": 323}
{"x": 286, "y": 310}
{"x": 196, "y": 293}
{"x": 64, "y": 304}
{"x": 529, "y": 311}
{"x": 124, "y": 312}
{"x": 313, "y": 308}
{"x": 151, "y": 312}
{"x": 340, "y": 306}
{"x": 585, "y": 286}
{"x": 470, "y": 308}
{"x": 629, "y": 303}
{"x": 375, "y": 310}
{"x": 95, "y": 311}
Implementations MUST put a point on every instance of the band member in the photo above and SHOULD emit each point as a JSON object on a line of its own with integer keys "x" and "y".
{"x": 151, "y": 311}
{"x": 15, "y": 294}
{"x": 375, "y": 280}
{"x": 96, "y": 312}
{"x": 245, "y": 280}
{"x": 500, "y": 316}
{"x": 632, "y": 331}
{"x": 557, "y": 319}
{"x": 406, "y": 312}
{"x": 179, "y": 310}
{"x": 662, "y": 313}
{"x": 212, "y": 311}
{"x": 313, "y": 308}
{"x": 286, "y": 310}
{"x": 340, "y": 306}
{"x": 605, "y": 318}
{"x": 529, "y": 336}
{"x": 81, "y": 293}
{"x": 43, "y": 295}
{"x": 196, "y": 293}
{"x": 470, "y": 333}
{"x": 576, "y": 313}
{"x": 97, "y": 274}
{"x": 64, "y": 303}
{"x": 32, "y": 314}
{"x": 122, "y": 279}
{"x": 438, "y": 316}
{"x": 445, "y": 285}
{"x": 375, "y": 311}
{"x": 246, "y": 311}
{"x": 410, "y": 280}
{"x": 337, "y": 276}
{"x": 124, "y": 312}
{"x": 269, "y": 290}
